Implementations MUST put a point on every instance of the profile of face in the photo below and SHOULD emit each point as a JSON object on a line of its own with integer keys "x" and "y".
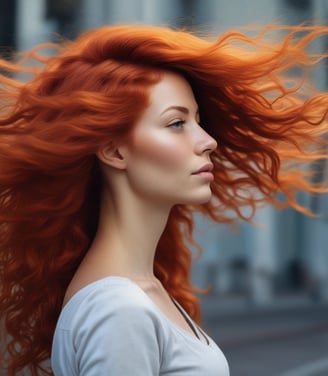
{"x": 167, "y": 158}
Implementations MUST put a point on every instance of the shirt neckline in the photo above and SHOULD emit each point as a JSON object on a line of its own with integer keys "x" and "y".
{"x": 174, "y": 325}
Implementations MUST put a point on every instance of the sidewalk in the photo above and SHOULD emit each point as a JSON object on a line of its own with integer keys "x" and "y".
{"x": 236, "y": 321}
{"x": 316, "y": 368}
{"x": 289, "y": 337}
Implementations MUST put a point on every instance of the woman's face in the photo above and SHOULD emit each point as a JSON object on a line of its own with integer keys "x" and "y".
{"x": 168, "y": 156}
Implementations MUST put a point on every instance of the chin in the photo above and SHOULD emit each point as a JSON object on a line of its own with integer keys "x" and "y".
{"x": 199, "y": 199}
{"x": 203, "y": 201}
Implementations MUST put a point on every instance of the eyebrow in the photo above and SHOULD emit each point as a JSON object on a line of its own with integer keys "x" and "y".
{"x": 178, "y": 108}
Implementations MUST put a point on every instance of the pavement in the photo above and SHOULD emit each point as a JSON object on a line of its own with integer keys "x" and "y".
{"x": 288, "y": 337}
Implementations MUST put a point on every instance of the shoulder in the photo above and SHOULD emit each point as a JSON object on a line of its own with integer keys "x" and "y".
{"x": 111, "y": 300}
{"x": 102, "y": 321}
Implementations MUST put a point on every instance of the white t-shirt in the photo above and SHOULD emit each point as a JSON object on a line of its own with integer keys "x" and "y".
{"x": 112, "y": 328}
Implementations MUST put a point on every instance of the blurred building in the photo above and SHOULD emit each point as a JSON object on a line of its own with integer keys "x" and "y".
{"x": 289, "y": 253}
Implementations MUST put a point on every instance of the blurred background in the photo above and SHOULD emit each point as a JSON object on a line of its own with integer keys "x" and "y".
{"x": 268, "y": 303}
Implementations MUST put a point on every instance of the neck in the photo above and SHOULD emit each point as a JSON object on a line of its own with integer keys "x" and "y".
{"x": 127, "y": 237}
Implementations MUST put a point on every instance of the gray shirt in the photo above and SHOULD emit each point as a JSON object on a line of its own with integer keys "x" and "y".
{"x": 112, "y": 328}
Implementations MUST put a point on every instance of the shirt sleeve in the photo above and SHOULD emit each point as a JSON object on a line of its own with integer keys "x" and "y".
{"x": 116, "y": 336}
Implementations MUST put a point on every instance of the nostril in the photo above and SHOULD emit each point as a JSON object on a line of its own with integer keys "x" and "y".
{"x": 211, "y": 145}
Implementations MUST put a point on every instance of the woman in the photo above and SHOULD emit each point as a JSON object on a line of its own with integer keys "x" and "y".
{"x": 105, "y": 154}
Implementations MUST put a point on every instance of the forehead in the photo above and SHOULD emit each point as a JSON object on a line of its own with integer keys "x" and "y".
{"x": 171, "y": 90}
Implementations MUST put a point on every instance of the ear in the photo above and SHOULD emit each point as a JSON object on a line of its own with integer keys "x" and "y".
{"x": 112, "y": 155}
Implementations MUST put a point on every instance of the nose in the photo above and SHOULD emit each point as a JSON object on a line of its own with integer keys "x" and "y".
{"x": 204, "y": 142}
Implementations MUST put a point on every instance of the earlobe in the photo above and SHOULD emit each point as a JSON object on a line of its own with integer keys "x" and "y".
{"x": 111, "y": 155}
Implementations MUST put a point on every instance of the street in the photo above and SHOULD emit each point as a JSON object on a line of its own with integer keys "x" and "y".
{"x": 289, "y": 339}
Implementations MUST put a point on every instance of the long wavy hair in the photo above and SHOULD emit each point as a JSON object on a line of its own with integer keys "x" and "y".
{"x": 269, "y": 127}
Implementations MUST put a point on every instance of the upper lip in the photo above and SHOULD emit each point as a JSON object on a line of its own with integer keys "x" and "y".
{"x": 208, "y": 167}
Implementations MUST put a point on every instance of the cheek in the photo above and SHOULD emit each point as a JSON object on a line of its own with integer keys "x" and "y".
{"x": 161, "y": 150}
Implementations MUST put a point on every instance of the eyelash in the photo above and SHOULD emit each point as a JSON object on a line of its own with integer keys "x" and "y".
{"x": 177, "y": 124}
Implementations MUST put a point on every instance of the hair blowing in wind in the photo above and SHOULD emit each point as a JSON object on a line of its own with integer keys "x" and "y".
{"x": 269, "y": 126}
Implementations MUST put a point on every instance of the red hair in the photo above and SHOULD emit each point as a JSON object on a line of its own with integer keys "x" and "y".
{"x": 93, "y": 91}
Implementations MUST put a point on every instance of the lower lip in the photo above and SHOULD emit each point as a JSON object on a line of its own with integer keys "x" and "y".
{"x": 206, "y": 175}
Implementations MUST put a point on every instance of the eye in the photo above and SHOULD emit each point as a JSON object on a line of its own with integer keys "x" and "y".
{"x": 177, "y": 124}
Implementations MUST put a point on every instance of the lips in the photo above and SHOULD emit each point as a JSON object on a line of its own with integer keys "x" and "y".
{"x": 206, "y": 168}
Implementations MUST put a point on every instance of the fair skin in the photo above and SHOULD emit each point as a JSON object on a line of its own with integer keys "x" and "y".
{"x": 144, "y": 178}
